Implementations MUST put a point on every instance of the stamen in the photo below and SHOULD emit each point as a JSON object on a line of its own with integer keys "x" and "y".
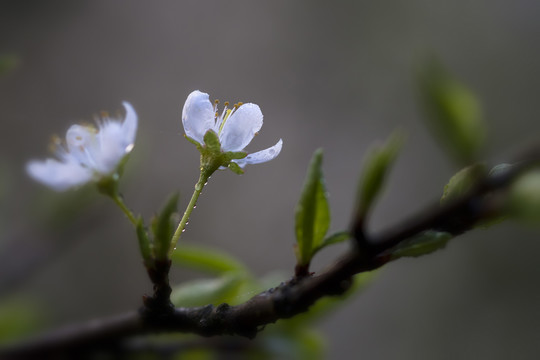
{"x": 227, "y": 113}
{"x": 55, "y": 143}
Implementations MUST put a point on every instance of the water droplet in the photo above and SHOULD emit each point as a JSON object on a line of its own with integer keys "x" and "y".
{"x": 194, "y": 206}
{"x": 187, "y": 223}
{"x": 183, "y": 230}
{"x": 174, "y": 248}
{"x": 198, "y": 187}
{"x": 206, "y": 183}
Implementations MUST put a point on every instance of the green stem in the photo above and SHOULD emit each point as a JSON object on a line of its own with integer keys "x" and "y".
{"x": 203, "y": 178}
{"x": 118, "y": 201}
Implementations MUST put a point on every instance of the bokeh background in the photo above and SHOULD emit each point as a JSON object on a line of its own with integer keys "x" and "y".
{"x": 336, "y": 75}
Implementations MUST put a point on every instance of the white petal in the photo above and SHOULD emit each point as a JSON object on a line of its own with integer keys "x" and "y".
{"x": 261, "y": 156}
{"x": 129, "y": 126}
{"x": 57, "y": 175}
{"x": 198, "y": 115}
{"x": 81, "y": 144}
{"x": 241, "y": 127}
{"x": 112, "y": 147}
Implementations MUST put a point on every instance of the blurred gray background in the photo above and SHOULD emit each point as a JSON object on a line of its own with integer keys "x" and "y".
{"x": 336, "y": 75}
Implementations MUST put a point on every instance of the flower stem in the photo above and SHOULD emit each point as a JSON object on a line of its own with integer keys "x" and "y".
{"x": 118, "y": 201}
{"x": 203, "y": 178}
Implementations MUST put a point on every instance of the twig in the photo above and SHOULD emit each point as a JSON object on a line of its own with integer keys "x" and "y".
{"x": 288, "y": 299}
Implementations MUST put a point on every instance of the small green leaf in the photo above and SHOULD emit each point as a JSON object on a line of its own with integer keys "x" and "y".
{"x": 236, "y": 168}
{"x": 8, "y": 63}
{"x": 163, "y": 227}
{"x": 206, "y": 259}
{"x": 18, "y": 318}
{"x": 462, "y": 182}
{"x": 454, "y": 112}
{"x": 312, "y": 212}
{"x": 422, "y": 244}
{"x": 144, "y": 243}
{"x": 332, "y": 239}
{"x": 377, "y": 164}
{"x": 524, "y": 198}
{"x": 211, "y": 140}
{"x": 207, "y": 291}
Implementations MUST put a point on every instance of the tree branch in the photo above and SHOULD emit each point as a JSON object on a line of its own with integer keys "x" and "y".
{"x": 288, "y": 299}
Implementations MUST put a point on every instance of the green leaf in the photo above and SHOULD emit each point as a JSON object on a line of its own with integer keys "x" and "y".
{"x": 18, "y": 318}
{"x": 462, "y": 182}
{"x": 377, "y": 164}
{"x": 236, "y": 168}
{"x": 332, "y": 239}
{"x": 207, "y": 291}
{"x": 524, "y": 198}
{"x": 163, "y": 227}
{"x": 312, "y": 212}
{"x": 454, "y": 112}
{"x": 144, "y": 243}
{"x": 422, "y": 244}
{"x": 8, "y": 63}
{"x": 302, "y": 343}
{"x": 206, "y": 259}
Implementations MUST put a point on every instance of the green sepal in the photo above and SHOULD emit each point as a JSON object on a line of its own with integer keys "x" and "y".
{"x": 194, "y": 142}
{"x": 207, "y": 291}
{"x": 235, "y": 155}
{"x": 331, "y": 240}
{"x": 454, "y": 112}
{"x": 163, "y": 227}
{"x": 211, "y": 142}
{"x": 235, "y": 168}
{"x": 312, "y": 217}
{"x": 377, "y": 164}
{"x": 206, "y": 259}
{"x": 145, "y": 245}
{"x": 422, "y": 244}
{"x": 108, "y": 185}
{"x": 462, "y": 182}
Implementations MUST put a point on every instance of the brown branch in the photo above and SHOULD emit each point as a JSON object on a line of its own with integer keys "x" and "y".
{"x": 288, "y": 299}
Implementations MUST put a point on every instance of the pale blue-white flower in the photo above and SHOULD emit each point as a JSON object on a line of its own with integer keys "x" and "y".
{"x": 235, "y": 127}
{"x": 88, "y": 153}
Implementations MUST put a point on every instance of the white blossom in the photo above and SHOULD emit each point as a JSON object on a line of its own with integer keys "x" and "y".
{"x": 235, "y": 127}
{"x": 88, "y": 154}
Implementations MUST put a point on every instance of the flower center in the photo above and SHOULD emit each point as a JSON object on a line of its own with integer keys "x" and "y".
{"x": 225, "y": 114}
